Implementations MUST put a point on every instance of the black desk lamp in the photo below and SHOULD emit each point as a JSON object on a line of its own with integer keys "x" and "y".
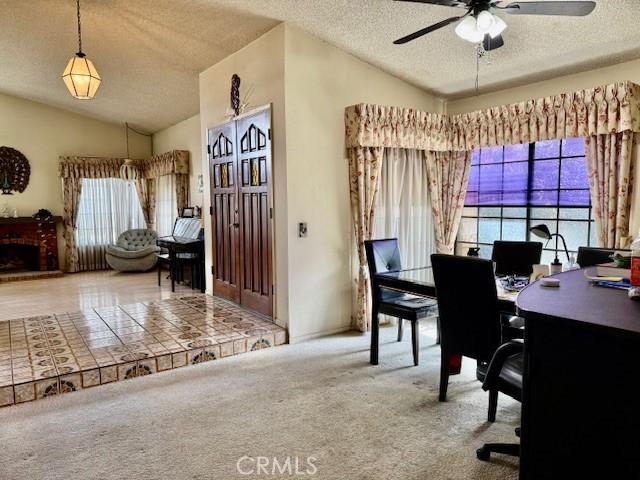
{"x": 542, "y": 231}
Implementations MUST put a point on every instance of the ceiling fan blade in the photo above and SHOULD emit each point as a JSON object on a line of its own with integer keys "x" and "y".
{"x": 571, "y": 9}
{"x": 426, "y": 30}
{"x": 444, "y": 3}
{"x": 492, "y": 43}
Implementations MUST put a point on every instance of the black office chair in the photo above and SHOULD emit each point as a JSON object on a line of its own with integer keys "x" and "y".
{"x": 515, "y": 258}
{"x": 589, "y": 256}
{"x": 384, "y": 256}
{"x": 504, "y": 375}
{"x": 469, "y": 317}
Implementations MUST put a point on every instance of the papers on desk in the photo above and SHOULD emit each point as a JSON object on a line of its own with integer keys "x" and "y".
{"x": 609, "y": 282}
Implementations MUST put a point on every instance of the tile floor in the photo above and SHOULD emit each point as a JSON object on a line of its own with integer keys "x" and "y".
{"x": 59, "y": 353}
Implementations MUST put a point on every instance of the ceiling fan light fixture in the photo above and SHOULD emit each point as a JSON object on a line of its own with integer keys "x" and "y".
{"x": 467, "y": 29}
{"x": 485, "y": 21}
{"x": 498, "y": 27}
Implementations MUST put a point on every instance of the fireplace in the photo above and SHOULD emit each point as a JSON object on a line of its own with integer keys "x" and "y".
{"x": 19, "y": 258}
{"x": 28, "y": 245}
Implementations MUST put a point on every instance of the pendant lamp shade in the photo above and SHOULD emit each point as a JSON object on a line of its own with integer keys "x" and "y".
{"x": 81, "y": 77}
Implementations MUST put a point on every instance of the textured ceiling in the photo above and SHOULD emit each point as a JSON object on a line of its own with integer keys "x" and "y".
{"x": 149, "y": 52}
{"x": 537, "y": 47}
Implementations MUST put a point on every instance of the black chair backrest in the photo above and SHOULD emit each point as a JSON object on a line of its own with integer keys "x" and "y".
{"x": 383, "y": 255}
{"x": 589, "y": 256}
{"x": 467, "y": 305}
{"x": 516, "y": 258}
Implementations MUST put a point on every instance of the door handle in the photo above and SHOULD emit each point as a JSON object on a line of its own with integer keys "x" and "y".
{"x": 236, "y": 225}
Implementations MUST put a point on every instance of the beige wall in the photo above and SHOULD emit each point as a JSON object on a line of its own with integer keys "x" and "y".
{"x": 43, "y": 133}
{"x": 321, "y": 80}
{"x": 260, "y": 66}
{"x": 569, "y": 83}
{"x": 184, "y": 136}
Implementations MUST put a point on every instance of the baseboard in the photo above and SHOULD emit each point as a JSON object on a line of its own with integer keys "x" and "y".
{"x": 324, "y": 333}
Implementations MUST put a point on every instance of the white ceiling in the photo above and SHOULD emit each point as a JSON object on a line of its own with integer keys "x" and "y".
{"x": 149, "y": 52}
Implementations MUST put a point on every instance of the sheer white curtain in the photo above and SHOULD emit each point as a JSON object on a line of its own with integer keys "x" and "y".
{"x": 403, "y": 206}
{"x": 166, "y": 204}
{"x": 108, "y": 207}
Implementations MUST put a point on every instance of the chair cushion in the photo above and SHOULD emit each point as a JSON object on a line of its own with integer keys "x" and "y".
{"x": 136, "y": 239}
{"x": 410, "y": 307}
{"x": 124, "y": 253}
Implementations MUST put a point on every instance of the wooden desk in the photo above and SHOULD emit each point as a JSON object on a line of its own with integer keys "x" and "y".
{"x": 416, "y": 281}
{"x": 581, "y": 402}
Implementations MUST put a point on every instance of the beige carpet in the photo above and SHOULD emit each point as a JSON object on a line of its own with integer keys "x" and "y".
{"x": 320, "y": 399}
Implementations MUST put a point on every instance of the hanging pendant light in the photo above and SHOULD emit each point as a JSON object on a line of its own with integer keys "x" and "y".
{"x": 128, "y": 170}
{"x": 80, "y": 76}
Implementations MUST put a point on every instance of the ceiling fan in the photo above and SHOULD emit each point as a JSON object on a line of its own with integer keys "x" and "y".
{"x": 481, "y": 24}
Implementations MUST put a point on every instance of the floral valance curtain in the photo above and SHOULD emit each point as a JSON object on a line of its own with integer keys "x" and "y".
{"x": 174, "y": 162}
{"x": 89, "y": 167}
{"x": 600, "y": 110}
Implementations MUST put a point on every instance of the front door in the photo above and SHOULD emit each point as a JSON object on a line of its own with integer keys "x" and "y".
{"x": 224, "y": 209}
{"x": 240, "y": 169}
{"x": 254, "y": 192}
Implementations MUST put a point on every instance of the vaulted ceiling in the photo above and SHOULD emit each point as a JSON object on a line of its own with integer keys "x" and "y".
{"x": 150, "y": 52}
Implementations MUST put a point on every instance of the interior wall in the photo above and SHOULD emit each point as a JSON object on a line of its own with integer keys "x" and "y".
{"x": 185, "y": 135}
{"x": 568, "y": 83}
{"x": 43, "y": 133}
{"x": 320, "y": 81}
{"x": 260, "y": 66}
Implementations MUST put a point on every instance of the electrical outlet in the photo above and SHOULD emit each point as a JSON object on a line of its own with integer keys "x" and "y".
{"x": 302, "y": 229}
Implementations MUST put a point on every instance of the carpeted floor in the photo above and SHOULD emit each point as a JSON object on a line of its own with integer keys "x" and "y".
{"x": 318, "y": 399}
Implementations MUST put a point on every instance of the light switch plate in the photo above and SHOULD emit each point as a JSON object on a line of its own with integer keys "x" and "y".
{"x": 302, "y": 229}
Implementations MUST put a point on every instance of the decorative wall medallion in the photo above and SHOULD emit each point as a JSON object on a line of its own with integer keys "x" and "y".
{"x": 14, "y": 171}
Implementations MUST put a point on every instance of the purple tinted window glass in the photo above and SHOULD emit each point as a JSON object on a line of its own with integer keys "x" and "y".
{"x": 471, "y": 198}
{"x": 544, "y": 198}
{"x": 491, "y": 178}
{"x": 516, "y": 177}
{"x": 574, "y": 198}
{"x": 574, "y": 173}
{"x": 491, "y": 155}
{"x": 490, "y": 198}
{"x": 547, "y": 149}
{"x": 514, "y": 198}
{"x": 515, "y": 153}
{"x": 474, "y": 176}
{"x": 573, "y": 147}
{"x": 545, "y": 174}
{"x": 475, "y": 157}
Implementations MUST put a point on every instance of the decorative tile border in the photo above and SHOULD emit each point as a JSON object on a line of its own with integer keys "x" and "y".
{"x": 54, "y": 354}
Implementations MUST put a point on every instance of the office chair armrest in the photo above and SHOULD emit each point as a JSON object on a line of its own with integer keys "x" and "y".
{"x": 501, "y": 355}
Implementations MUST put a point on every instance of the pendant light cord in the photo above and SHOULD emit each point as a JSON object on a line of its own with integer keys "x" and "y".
{"x": 126, "y": 129}
{"x": 79, "y": 28}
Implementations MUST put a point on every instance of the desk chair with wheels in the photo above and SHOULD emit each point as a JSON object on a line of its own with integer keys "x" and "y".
{"x": 504, "y": 375}
{"x": 384, "y": 256}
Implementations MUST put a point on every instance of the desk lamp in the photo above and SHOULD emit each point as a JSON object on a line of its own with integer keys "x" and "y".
{"x": 542, "y": 231}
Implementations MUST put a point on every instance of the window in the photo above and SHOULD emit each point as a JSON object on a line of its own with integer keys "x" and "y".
{"x": 166, "y": 204}
{"x": 108, "y": 207}
{"x": 514, "y": 187}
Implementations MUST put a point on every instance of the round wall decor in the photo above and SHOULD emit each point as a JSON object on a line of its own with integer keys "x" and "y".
{"x": 14, "y": 170}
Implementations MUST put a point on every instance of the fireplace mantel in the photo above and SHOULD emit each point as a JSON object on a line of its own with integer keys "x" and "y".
{"x": 21, "y": 220}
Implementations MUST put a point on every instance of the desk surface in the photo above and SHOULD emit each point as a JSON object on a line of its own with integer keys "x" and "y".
{"x": 576, "y": 299}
